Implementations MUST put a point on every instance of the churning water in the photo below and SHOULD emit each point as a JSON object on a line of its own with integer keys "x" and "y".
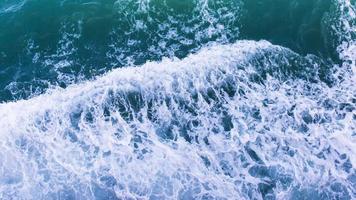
{"x": 177, "y": 99}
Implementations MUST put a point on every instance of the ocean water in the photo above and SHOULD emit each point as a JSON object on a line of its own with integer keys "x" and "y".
{"x": 177, "y": 99}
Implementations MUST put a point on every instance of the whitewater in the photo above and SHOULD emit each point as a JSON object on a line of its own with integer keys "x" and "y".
{"x": 246, "y": 120}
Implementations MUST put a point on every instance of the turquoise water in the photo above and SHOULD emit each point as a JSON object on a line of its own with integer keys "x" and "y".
{"x": 63, "y": 42}
{"x": 168, "y": 99}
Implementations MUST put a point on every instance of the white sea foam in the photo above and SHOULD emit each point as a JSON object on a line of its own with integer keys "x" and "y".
{"x": 346, "y": 29}
{"x": 14, "y": 6}
{"x": 207, "y": 126}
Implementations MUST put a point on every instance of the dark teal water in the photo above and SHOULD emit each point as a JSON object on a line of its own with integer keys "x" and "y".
{"x": 60, "y": 42}
{"x": 177, "y": 99}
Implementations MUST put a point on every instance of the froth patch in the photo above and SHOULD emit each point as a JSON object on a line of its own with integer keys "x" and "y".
{"x": 239, "y": 120}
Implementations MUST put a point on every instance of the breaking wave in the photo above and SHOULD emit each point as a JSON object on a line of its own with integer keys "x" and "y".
{"x": 241, "y": 120}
